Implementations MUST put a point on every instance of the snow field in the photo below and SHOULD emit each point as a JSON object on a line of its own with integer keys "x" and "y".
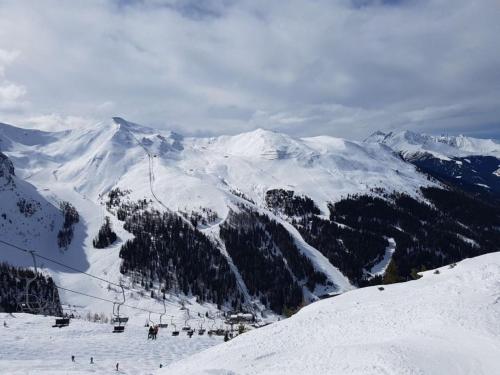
{"x": 29, "y": 345}
{"x": 444, "y": 323}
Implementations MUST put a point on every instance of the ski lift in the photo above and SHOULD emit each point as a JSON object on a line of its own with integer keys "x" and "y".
{"x": 175, "y": 332}
{"x": 62, "y": 321}
{"x": 32, "y": 303}
{"x": 220, "y": 331}
{"x": 211, "y": 331}
{"x": 118, "y": 320}
{"x": 151, "y": 323}
{"x": 187, "y": 327}
{"x": 163, "y": 325}
{"x": 201, "y": 330}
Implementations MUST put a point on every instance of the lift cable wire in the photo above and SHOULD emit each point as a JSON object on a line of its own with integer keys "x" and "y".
{"x": 82, "y": 272}
{"x": 60, "y": 264}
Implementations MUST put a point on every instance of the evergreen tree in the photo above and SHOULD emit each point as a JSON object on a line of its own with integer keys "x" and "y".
{"x": 105, "y": 236}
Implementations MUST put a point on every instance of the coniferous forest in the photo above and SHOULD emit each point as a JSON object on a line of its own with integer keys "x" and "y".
{"x": 13, "y": 291}
{"x": 443, "y": 227}
{"x": 270, "y": 263}
{"x": 169, "y": 251}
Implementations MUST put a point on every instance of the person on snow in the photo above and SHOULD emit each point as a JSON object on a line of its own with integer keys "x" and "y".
{"x": 151, "y": 333}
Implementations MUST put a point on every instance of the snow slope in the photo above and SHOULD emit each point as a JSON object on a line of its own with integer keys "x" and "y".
{"x": 29, "y": 345}
{"x": 444, "y": 323}
{"x": 82, "y": 164}
{"x": 193, "y": 172}
{"x": 444, "y": 147}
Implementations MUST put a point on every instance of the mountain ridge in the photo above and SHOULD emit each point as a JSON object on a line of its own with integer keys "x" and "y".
{"x": 289, "y": 188}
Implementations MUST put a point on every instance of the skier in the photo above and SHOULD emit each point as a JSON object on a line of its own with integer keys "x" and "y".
{"x": 91, "y": 360}
{"x": 72, "y": 358}
{"x": 155, "y": 332}
{"x": 151, "y": 333}
{"x": 5, "y": 324}
{"x": 117, "y": 364}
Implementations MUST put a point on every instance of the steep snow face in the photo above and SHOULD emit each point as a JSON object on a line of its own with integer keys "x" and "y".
{"x": 443, "y": 147}
{"x": 26, "y": 217}
{"x": 189, "y": 173}
{"x": 446, "y": 322}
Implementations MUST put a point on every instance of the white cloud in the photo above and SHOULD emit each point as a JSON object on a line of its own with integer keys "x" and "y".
{"x": 10, "y": 93}
{"x": 222, "y": 66}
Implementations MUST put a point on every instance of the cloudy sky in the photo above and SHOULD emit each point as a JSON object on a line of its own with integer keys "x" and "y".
{"x": 305, "y": 67}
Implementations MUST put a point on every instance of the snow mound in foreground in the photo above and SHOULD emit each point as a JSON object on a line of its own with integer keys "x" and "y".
{"x": 444, "y": 323}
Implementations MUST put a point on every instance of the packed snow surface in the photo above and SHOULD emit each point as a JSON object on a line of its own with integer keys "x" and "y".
{"x": 444, "y": 323}
{"x": 29, "y": 345}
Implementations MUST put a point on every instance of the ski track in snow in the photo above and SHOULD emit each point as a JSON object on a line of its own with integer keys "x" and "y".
{"x": 29, "y": 345}
{"x": 379, "y": 268}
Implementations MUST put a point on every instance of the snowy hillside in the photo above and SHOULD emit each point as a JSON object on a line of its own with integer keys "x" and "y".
{"x": 444, "y": 323}
{"x": 25, "y": 215}
{"x": 445, "y": 146}
{"x": 190, "y": 175}
{"x": 261, "y": 220}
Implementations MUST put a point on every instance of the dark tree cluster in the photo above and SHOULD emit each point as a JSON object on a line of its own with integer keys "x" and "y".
{"x": 270, "y": 263}
{"x": 12, "y": 290}
{"x": 71, "y": 217}
{"x": 286, "y": 202}
{"x": 168, "y": 250}
{"x": 105, "y": 236}
{"x": 351, "y": 250}
{"x": 115, "y": 197}
{"x": 28, "y": 207}
{"x": 475, "y": 174}
{"x": 452, "y": 227}
{"x": 202, "y": 218}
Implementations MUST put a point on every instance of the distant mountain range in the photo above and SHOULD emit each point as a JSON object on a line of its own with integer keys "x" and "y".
{"x": 471, "y": 163}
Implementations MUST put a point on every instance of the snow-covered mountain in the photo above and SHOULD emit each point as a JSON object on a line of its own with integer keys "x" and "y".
{"x": 265, "y": 219}
{"x": 409, "y": 143}
{"x": 471, "y": 163}
{"x": 444, "y": 323}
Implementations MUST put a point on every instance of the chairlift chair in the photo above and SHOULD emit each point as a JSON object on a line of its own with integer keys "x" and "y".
{"x": 163, "y": 325}
{"x": 187, "y": 327}
{"x": 117, "y": 319}
{"x": 175, "y": 332}
{"x": 201, "y": 330}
